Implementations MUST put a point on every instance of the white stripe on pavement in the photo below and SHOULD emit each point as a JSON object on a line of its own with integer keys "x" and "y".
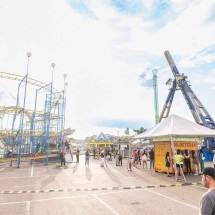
{"x": 28, "y": 205}
{"x": 65, "y": 171}
{"x": 32, "y": 170}
{"x": 175, "y": 200}
{"x": 105, "y": 204}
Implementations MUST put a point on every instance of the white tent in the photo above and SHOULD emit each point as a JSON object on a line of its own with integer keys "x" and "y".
{"x": 142, "y": 142}
{"x": 175, "y": 126}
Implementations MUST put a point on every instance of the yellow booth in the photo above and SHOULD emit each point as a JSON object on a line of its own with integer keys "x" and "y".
{"x": 172, "y": 129}
{"x": 162, "y": 145}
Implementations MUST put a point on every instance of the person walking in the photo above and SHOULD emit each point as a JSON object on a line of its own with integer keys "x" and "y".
{"x": 138, "y": 155}
{"x": 135, "y": 158}
{"x": 110, "y": 153}
{"x": 62, "y": 157}
{"x": 71, "y": 151}
{"x": 207, "y": 202}
{"x": 77, "y": 155}
{"x": 195, "y": 161}
{"x": 87, "y": 158}
{"x": 167, "y": 163}
{"x": 152, "y": 157}
{"x": 114, "y": 153}
{"x": 120, "y": 158}
{"x": 202, "y": 160}
{"x": 94, "y": 152}
{"x": 103, "y": 160}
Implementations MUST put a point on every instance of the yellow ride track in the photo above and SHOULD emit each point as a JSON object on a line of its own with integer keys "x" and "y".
{"x": 28, "y": 113}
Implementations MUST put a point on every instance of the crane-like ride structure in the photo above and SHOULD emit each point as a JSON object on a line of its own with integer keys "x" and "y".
{"x": 199, "y": 112}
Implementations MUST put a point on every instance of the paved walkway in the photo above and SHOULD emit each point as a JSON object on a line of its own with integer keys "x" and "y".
{"x": 40, "y": 189}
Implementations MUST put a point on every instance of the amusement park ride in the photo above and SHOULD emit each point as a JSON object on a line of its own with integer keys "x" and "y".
{"x": 30, "y": 130}
{"x": 200, "y": 114}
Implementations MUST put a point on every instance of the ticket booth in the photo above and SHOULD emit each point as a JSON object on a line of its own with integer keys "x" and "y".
{"x": 163, "y": 146}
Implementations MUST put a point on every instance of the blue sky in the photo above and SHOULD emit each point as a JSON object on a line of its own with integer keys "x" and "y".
{"x": 108, "y": 49}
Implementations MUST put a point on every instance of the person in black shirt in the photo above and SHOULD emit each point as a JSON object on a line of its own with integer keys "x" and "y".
{"x": 62, "y": 157}
{"x": 87, "y": 157}
{"x": 151, "y": 157}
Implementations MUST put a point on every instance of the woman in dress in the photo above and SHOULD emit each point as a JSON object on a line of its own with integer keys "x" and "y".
{"x": 144, "y": 158}
{"x": 195, "y": 161}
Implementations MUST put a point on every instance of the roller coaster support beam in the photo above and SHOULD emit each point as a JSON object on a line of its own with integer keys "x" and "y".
{"x": 167, "y": 106}
{"x": 49, "y": 115}
{"x": 22, "y": 114}
{"x": 62, "y": 121}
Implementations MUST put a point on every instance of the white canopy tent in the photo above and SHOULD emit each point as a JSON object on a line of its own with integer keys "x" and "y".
{"x": 140, "y": 142}
{"x": 175, "y": 126}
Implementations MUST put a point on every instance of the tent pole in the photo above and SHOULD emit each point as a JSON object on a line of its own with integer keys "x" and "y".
{"x": 173, "y": 155}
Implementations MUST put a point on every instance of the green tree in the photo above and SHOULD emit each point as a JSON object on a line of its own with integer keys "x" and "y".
{"x": 139, "y": 131}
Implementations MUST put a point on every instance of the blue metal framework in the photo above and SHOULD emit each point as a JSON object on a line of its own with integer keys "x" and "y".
{"x": 31, "y": 127}
{"x": 19, "y": 135}
{"x": 199, "y": 112}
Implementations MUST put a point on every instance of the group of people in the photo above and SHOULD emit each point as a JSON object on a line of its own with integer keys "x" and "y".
{"x": 187, "y": 158}
{"x": 63, "y": 156}
{"x": 140, "y": 157}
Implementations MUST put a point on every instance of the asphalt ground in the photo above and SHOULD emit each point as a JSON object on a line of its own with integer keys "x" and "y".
{"x": 76, "y": 189}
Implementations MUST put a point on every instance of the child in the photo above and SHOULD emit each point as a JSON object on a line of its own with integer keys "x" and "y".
{"x": 130, "y": 164}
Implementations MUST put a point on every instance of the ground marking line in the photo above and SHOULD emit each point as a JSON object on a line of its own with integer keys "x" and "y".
{"x": 105, "y": 204}
{"x": 95, "y": 189}
{"x": 200, "y": 187}
{"x": 40, "y": 200}
{"x": 67, "y": 173}
{"x": 175, "y": 200}
{"x": 62, "y": 198}
{"x": 28, "y": 206}
{"x": 51, "y": 175}
{"x": 32, "y": 170}
{"x": 20, "y": 177}
{"x": 28, "y": 186}
{"x": 76, "y": 196}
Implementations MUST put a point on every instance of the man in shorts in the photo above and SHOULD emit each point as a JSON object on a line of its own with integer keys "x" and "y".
{"x": 207, "y": 202}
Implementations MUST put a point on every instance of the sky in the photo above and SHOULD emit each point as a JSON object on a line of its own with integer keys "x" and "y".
{"x": 108, "y": 49}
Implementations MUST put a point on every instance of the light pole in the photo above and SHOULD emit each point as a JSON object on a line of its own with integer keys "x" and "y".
{"x": 65, "y": 86}
{"x": 53, "y": 66}
{"x": 25, "y": 81}
{"x": 49, "y": 114}
{"x": 63, "y": 109}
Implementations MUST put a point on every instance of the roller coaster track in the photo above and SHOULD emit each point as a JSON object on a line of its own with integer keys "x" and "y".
{"x": 31, "y": 81}
{"x": 26, "y": 133}
{"x": 34, "y": 82}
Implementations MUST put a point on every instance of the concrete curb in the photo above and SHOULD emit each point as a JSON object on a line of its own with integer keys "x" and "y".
{"x": 97, "y": 189}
